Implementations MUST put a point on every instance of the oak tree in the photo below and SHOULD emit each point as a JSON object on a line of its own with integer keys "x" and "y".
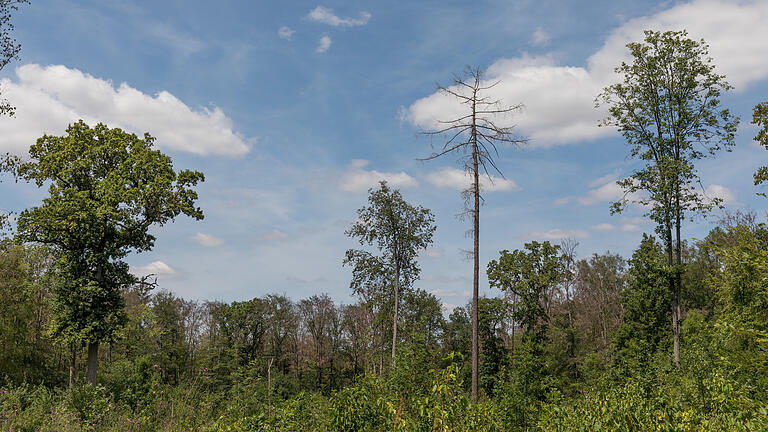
{"x": 106, "y": 188}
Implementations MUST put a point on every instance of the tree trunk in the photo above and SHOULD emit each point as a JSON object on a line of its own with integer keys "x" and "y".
{"x": 397, "y": 304}
{"x": 476, "y": 258}
{"x": 72, "y": 358}
{"x": 93, "y": 362}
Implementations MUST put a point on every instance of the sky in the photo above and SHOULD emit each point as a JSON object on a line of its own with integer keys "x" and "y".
{"x": 293, "y": 110}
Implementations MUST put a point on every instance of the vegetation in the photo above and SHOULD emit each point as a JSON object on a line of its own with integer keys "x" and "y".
{"x": 674, "y": 338}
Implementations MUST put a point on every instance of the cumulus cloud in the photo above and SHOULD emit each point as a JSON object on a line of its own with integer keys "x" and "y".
{"x": 604, "y": 189}
{"x": 556, "y": 234}
{"x": 49, "y": 98}
{"x": 286, "y": 32}
{"x": 559, "y": 99}
{"x": 459, "y": 179}
{"x": 358, "y": 179}
{"x": 324, "y": 44}
{"x": 325, "y": 15}
{"x": 207, "y": 240}
{"x": 540, "y": 37}
{"x": 158, "y": 269}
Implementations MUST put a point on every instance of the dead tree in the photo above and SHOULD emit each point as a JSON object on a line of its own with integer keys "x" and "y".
{"x": 475, "y": 135}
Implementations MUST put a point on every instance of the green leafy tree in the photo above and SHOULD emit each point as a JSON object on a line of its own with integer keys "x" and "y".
{"x": 667, "y": 107}
{"x": 475, "y": 135}
{"x": 529, "y": 273}
{"x": 760, "y": 119}
{"x": 399, "y": 231}
{"x": 106, "y": 189}
{"x": 9, "y": 48}
{"x": 645, "y": 327}
{"x": 493, "y": 353}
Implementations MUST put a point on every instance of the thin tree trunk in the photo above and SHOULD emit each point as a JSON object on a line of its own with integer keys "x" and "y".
{"x": 93, "y": 362}
{"x": 72, "y": 359}
{"x": 476, "y": 254}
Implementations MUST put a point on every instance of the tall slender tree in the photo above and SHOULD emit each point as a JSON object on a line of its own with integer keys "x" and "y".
{"x": 667, "y": 107}
{"x": 400, "y": 231}
{"x": 106, "y": 189}
{"x": 475, "y": 135}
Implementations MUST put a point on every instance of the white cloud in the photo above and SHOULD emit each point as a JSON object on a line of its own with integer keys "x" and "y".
{"x": 603, "y": 227}
{"x": 158, "y": 269}
{"x": 324, "y": 44}
{"x": 49, "y": 98}
{"x": 459, "y": 179}
{"x": 604, "y": 179}
{"x": 358, "y": 179}
{"x": 286, "y": 33}
{"x": 275, "y": 235}
{"x": 604, "y": 189}
{"x": 325, "y": 15}
{"x": 606, "y": 227}
{"x": 433, "y": 252}
{"x": 559, "y": 100}
{"x": 207, "y": 240}
{"x": 540, "y": 37}
{"x": 556, "y": 234}
{"x": 629, "y": 227}
{"x": 718, "y": 191}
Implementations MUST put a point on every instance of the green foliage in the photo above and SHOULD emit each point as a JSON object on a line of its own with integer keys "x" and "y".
{"x": 9, "y": 48}
{"x": 106, "y": 188}
{"x": 760, "y": 119}
{"x": 528, "y": 273}
{"x": 668, "y": 109}
{"x": 399, "y": 231}
{"x": 646, "y": 302}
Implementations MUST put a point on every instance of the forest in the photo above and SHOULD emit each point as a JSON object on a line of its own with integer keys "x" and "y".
{"x": 671, "y": 338}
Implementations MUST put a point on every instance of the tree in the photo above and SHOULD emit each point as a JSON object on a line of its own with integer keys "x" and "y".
{"x": 399, "y": 231}
{"x": 760, "y": 119}
{"x": 9, "y": 48}
{"x": 475, "y": 135}
{"x": 668, "y": 110}
{"x": 646, "y": 300}
{"x": 106, "y": 189}
{"x": 529, "y": 274}
{"x": 318, "y": 313}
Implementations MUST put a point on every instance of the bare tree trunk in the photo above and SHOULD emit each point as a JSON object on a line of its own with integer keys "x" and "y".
{"x": 476, "y": 253}
{"x": 93, "y": 362}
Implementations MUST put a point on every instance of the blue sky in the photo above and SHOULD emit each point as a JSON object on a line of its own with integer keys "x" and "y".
{"x": 293, "y": 109}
